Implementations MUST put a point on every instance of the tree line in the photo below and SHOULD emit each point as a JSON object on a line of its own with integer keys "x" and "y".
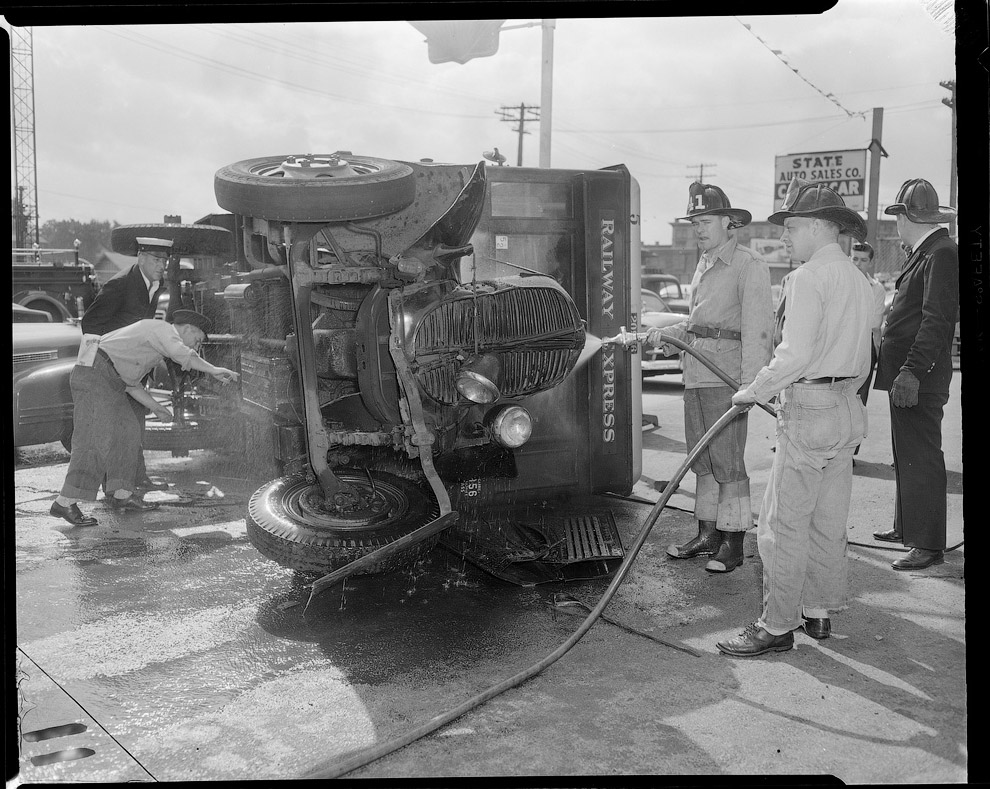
{"x": 92, "y": 236}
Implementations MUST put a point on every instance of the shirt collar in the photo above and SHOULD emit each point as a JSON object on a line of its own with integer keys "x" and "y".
{"x": 921, "y": 240}
{"x": 724, "y": 252}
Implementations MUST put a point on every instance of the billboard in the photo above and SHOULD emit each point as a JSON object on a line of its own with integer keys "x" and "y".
{"x": 843, "y": 171}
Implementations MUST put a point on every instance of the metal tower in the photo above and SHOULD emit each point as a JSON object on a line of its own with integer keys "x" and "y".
{"x": 24, "y": 203}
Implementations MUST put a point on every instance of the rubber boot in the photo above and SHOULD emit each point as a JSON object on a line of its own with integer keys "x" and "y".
{"x": 705, "y": 544}
{"x": 729, "y": 554}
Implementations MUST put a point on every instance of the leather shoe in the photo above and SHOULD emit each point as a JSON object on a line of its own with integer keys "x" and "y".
{"x": 891, "y": 535}
{"x": 754, "y": 640}
{"x": 72, "y": 514}
{"x": 131, "y": 504}
{"x": 817, "y": 628}
{"x": 918, "y": 559}
{"x": 148, "y": 484}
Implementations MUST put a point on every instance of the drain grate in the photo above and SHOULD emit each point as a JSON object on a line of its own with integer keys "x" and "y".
{"x": 582, "y": 537}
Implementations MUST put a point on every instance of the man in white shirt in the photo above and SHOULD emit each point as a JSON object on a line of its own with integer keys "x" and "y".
{"x": 127, "y": 297}
{"x": 106, "y": 433}
{"x": 820, "y": 363}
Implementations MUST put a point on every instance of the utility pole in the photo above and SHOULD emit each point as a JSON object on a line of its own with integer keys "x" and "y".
{"x": 876, "y": 151}
{"x": 521, "y": 120}
{"x": 22, "y": 111}
{"x": 701, "y": 170}
{"x": 546, "y": 91}
{"x": 950, "y": 85}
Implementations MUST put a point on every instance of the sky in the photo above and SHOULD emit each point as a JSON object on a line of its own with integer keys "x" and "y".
{"x": 132, "y": 121}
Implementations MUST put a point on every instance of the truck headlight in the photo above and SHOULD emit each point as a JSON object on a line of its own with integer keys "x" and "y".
{"x": 511, "y": 425}
{"x": 478, "y": 379}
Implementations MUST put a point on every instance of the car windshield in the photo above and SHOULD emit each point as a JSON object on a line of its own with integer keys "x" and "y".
{"x": 653, "y": 303}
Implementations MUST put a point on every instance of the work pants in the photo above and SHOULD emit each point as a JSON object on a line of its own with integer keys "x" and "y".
{"x": 140, "y": 413}
{"x": 105, "y": 433}
{"x": 802, "y": 525}
{"x": 722, "y": 491}
{"x": 919, "y": 469}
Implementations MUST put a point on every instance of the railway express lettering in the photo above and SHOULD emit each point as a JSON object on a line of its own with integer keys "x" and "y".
{"x": 608, "y": 393}
{"x": 608, "y": 244}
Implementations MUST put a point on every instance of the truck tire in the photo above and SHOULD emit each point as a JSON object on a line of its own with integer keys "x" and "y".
{"x": 186, "y": 239}
{"x": 371, "y": 187}
{"x": 279, "y": 528}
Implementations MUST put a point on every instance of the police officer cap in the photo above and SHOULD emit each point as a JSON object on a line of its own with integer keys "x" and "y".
{"x": 919, "y": 201}
{"x": 709, "y": 199}
{"x": 145, "y": 244}
{"x": 817, "y": 201}
{"x": 193, "y": 318}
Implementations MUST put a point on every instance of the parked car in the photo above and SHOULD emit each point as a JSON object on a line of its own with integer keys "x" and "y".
{"x": 669, "y": 288}
{"x": 655, "y": 313}
{"x": 43, "y": 354}
{"x": 28, "y": 315}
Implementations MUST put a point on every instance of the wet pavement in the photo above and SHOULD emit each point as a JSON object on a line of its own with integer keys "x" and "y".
{"x": 186, "y": 655}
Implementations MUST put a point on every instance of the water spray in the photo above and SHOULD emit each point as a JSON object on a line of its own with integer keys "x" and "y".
{"x": 627, "y": 338}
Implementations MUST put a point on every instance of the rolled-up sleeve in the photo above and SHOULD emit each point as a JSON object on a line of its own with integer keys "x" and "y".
{"x": 165, "y": 339}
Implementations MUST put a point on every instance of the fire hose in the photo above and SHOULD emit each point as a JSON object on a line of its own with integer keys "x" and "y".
{"x": 358, "y": 760}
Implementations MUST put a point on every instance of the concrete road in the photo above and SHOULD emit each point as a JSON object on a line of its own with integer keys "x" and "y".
{"x": 164, "y": 647}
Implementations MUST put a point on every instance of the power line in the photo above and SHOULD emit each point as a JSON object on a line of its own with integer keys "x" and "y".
{"x": 202, "y": 60}
{"x": 282, "y": 48}
{"x": 913, "y": 107}
{"x": 701, "y": 170}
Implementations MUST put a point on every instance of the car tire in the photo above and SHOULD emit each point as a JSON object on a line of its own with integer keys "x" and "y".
{"x": 186, "y": 239}
{"x": 258, "y": 188}
{"x": 279, "y": 528}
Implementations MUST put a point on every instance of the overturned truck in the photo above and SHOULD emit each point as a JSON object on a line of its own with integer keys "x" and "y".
{"x": 414, "y": 339}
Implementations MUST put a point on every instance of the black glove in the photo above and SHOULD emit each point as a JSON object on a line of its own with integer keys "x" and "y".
{"x": 904, "y": 390}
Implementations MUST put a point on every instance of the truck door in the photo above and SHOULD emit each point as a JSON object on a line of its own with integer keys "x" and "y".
{"x": 579, "y": 227}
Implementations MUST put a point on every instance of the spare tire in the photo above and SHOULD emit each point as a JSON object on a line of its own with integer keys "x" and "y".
{"x": 187, "y": 240}
{"x": 315, "y": 188}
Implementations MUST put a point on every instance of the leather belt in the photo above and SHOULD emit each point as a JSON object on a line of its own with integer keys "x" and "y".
{"x": 828, "y": 379}
{"x": 713, "y": 334}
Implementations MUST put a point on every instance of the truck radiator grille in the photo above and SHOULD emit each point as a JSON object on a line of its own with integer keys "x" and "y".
{"x": 536, "y": 333}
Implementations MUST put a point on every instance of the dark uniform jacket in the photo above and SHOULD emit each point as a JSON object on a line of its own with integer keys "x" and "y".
{"x": 917, "y": 335}
{"x": 123, "y": 300}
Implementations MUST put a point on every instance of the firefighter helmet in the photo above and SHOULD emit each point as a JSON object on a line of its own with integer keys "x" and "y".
{"x": 708, "y": 199}
{"x": 817, "y": 201}
{"x": 919, "y": 201}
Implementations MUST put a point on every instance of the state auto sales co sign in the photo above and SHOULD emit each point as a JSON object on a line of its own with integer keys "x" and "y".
{"x": 843, "y": 171}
